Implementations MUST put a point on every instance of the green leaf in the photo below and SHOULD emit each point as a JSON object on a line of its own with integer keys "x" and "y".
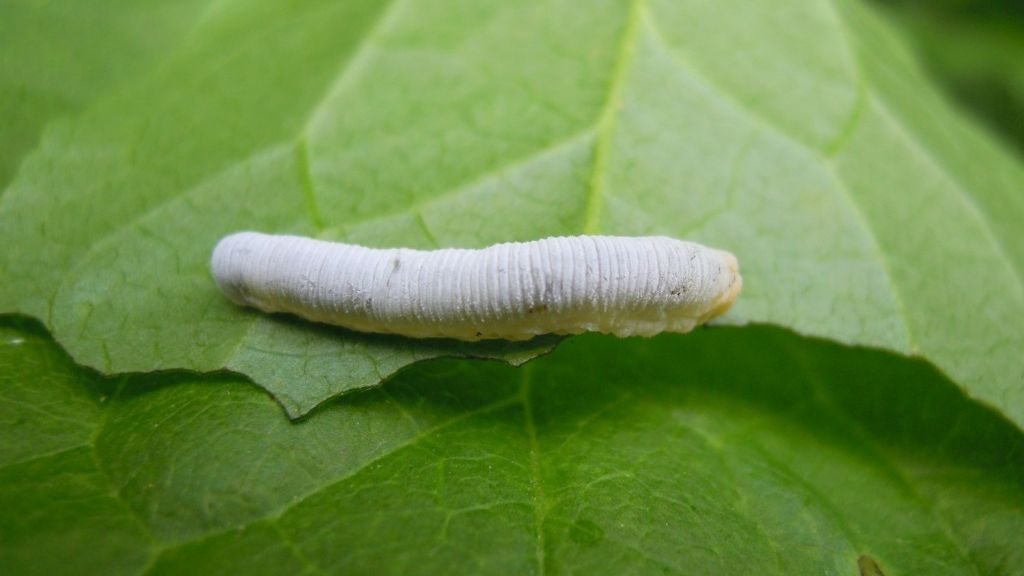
{"x": 57, "y": 57}
{"x": 728, "y": 451}
{"x": 799, "y": 136}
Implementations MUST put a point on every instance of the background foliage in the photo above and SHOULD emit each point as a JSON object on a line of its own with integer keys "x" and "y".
{"x": 863, "y": 411}
{"x": 974, "y": 49}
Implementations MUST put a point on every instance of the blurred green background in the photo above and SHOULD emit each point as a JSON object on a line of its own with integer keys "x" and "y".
{"x": 975, "y": 50}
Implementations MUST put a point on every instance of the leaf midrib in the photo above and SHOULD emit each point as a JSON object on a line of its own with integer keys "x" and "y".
{"x": 608, "y": 119}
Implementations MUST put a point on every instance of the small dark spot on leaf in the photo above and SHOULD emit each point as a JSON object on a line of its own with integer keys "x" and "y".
{"x": 868, "y": 566}
{"x": 395, "y": 264}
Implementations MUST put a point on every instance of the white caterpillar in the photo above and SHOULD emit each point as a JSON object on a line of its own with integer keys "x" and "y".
{"x": 618, "y": 285}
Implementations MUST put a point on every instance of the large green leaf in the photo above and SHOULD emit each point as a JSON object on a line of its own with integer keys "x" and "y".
{"x": 746, "y": 451}
{"x": 796, "y": 134}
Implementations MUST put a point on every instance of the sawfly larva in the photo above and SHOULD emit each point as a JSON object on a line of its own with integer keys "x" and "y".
{"x": 565, "y": 285}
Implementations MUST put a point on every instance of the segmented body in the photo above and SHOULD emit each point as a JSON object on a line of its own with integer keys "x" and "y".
{"x": 564, "y": 285}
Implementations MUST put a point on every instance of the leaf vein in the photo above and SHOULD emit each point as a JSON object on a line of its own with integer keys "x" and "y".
{"x": 870, "y": 235}
{"x": 608, "y": 119}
